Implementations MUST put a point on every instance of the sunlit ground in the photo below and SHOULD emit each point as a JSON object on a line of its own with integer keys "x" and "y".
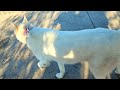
{"x": 18, "y": 62}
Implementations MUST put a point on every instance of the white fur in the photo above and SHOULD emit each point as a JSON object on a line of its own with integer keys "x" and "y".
{"x": 100, "y": 47}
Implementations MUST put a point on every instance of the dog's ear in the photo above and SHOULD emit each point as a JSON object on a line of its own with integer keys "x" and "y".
{"x": 25, "y": 21}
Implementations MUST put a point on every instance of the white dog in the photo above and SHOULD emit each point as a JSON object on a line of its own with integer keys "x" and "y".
{"x": 100, "y": 47}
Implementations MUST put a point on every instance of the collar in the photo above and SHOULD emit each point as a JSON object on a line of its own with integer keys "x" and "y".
{"x": 27, "y": 31}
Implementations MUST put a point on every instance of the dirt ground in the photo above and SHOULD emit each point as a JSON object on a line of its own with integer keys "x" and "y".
{"x": 18, "y": 62}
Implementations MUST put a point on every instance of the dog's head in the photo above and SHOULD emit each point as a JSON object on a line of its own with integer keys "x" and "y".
{"x": 22, "y": 29}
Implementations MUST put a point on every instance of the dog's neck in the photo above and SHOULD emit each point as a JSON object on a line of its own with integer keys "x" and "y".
{"x": 22, "y": 36}
{"x": 27, "y": 32}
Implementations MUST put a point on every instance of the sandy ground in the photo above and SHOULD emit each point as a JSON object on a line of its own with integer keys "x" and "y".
{"x": 18, "y": 62}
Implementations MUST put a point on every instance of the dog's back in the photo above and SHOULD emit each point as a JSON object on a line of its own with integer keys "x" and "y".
{"x": 77, "y": 45}
{"x": 99, "y": 46}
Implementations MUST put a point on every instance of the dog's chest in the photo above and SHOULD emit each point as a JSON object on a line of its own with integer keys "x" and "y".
{"x": 41, "y": 47}
{"x": 35, "y": 46}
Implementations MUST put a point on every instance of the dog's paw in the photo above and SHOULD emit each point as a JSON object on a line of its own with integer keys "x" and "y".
{"x": 59, "y": 75}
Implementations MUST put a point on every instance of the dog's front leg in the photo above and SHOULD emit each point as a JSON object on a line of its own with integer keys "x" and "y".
{"x": 62, "y": 71}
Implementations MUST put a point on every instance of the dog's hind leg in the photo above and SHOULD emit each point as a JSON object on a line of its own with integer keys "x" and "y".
{"x": 97, "y": 73}
{"x": 117, "y": 71}
{"x": 101, "y": 70}
{"x": 97, "y": 67}
{"x": 62, "y": 70}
